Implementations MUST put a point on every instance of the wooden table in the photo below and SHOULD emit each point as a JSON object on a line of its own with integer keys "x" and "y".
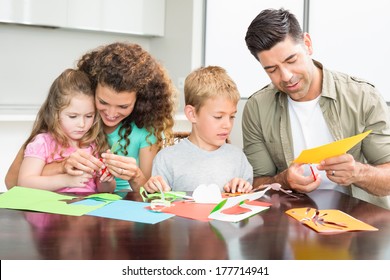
{"x": 269, "y": 235}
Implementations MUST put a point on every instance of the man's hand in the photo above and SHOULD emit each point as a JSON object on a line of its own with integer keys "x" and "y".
{"x": 343, "y": 170}
{"x": 300, "y": 183}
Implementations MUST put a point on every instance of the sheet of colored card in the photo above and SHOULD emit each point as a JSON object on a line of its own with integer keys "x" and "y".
{"x": 347, "y": 222}
{"x": 132, "y": 211}
{"x": 22, "y": 198}
{"x": 337, "y": 148}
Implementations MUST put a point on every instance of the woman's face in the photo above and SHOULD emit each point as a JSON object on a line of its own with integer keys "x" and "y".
{"x": 113, "y": 106}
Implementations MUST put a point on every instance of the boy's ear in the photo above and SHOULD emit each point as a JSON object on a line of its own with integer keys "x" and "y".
{"x": 190, "y": 112}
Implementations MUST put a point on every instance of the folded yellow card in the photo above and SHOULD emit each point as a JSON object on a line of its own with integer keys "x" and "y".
{"x": 337, "y": 148}
{"x": 328, "y": 221}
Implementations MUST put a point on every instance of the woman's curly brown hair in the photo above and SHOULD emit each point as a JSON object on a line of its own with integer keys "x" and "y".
{"x": 128, "y": 67}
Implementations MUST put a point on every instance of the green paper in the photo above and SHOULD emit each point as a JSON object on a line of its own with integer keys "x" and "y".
{"x": 104, "y": 197}
{"x": 22, "y": 198}
{"x": 219, "y": 206}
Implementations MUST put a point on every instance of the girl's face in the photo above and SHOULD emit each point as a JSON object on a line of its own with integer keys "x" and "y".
{"x": 112, "y": 106}
{"x": 212, "y": 124}
{"x": 78, "y": 117}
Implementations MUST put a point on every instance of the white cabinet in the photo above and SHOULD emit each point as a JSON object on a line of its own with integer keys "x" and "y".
{"x": 137, "y": 17}
{"x": 38, "y": 12}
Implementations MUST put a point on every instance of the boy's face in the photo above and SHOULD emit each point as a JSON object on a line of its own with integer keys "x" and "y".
{"x": 213, "y": 123}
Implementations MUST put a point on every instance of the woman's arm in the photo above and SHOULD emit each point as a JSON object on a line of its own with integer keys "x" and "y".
{"x": 11, "y": 178}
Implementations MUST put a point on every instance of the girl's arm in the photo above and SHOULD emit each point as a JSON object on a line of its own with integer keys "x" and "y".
{"x": 30, "y": 176}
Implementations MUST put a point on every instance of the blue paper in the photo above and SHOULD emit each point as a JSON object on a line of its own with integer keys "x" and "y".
{"x": 132, "y": 211}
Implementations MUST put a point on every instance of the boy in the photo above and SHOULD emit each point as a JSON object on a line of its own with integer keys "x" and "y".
{"x": 211, "y": 98}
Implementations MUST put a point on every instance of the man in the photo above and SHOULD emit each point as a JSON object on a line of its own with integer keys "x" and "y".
{"x": 306, "y": 106}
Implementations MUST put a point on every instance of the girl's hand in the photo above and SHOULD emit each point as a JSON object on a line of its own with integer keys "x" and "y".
{"x": 238, "y": 185}
{"x": 80, "y": 161}
{"x": 106, "y": 176}
{"x": 77, "y": 181}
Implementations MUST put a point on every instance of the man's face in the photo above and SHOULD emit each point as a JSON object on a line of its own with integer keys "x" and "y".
{"x": 290, "y": 68}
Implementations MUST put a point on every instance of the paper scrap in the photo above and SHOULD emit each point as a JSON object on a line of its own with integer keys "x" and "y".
{"x": 207, "y": 194}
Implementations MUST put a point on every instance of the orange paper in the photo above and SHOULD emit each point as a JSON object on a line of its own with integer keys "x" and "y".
{"x": 342, "y": 221}
{"x": 337, "y": 148}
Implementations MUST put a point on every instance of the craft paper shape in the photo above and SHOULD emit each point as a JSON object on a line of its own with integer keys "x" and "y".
{"x": 191, "y": 210}
{"x": 132, "y": 211}
{"x": 21, "y": 198}
{"x": 201, "y": 211}
{"x": 207, "y": 194}
{"x": 337, "y": 148}
{"x": 219, "y": 212}
{"x": 328, "y": 221}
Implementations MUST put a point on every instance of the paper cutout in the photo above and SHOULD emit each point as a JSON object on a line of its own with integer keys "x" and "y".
{"x": 207, "y": 194}
{"x": 335, "y": 221}
{"x": 201, "y": 211}
{"x": 337, "y": 148}
{"x": 191, "y": 210}
{"x": 218, "y": 212}
{"x": 132, "y": 211}
{"x": 104, "y": 197}
{"x": 170, "y": 195}
{"x": 21, "y": 198}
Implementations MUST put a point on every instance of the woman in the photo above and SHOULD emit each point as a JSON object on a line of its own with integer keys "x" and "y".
{"x": 135, "y": 99}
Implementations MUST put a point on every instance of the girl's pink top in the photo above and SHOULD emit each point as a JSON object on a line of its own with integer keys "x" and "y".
{"x": 42, "y": 147}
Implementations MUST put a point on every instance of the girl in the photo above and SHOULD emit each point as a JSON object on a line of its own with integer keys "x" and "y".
{"x": 66, "y": 122}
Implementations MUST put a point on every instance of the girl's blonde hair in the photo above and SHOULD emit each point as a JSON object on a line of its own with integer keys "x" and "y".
{"x": 67, "y": 85}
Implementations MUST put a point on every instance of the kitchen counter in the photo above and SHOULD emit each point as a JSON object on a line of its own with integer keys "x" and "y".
{"x": 11, "y": 113}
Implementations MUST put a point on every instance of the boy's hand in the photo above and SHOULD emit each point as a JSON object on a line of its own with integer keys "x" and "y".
{"x": 238, "y": 185}
{"x": 156, "y": 184}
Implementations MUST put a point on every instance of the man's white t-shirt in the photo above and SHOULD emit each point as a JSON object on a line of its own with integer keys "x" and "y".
{"x": 310, "y": 130}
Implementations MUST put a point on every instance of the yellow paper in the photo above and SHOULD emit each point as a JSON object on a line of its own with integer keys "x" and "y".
{"x": 337, "y": 148}
{"x": 349, "y": 223}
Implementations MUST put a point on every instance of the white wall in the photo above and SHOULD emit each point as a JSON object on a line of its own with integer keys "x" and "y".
{"x": 225, "y": 39}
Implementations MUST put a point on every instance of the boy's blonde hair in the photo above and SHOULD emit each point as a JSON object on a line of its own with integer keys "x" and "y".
{"x": 209, "y": 82}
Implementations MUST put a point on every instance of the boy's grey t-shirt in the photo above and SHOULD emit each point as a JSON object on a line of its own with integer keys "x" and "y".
{"x": 185, "y": 166}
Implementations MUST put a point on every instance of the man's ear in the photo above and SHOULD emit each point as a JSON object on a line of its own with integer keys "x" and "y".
{"x": 308, "y": 43}
{"x": 190, "y": 113}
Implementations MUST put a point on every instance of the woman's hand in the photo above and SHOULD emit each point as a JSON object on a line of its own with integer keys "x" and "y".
{"x": 122, "y": 167}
